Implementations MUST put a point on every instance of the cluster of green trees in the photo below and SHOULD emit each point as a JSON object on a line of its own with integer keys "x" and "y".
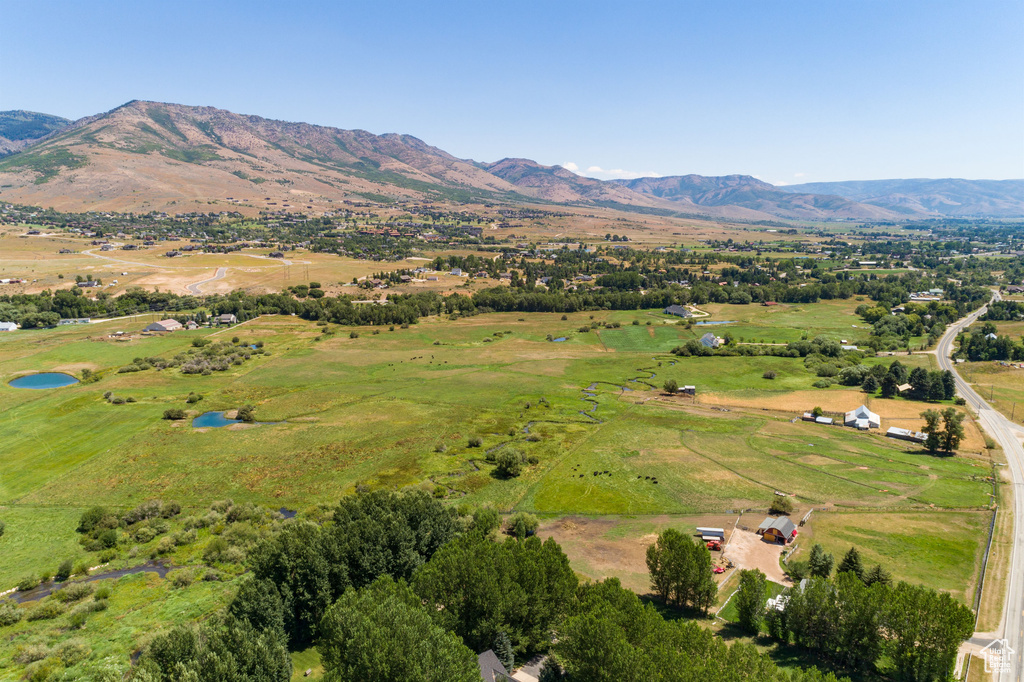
{"x": 945, "y": 429}
{"x": 980, "y": 346}
{"x": 397, "y": 588}
{"x": 854, "y": 624}
{"x": 681, "y": 571}
{"x": 859, "y": 619}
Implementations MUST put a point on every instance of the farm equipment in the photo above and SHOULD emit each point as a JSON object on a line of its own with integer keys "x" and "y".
{"x": 718, "y": 569}
{"x": 715, "y": 545}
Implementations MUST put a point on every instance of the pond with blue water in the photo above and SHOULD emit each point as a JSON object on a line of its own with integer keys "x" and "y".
{"x": 44, "y": 380}
{"x": 213, "y": 420}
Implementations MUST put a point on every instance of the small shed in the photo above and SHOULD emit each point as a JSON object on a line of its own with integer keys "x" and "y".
{"x": 689, "y": 390}
{"x": 708, "y": 532}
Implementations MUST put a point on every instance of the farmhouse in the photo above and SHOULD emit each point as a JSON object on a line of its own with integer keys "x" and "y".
{"x": 89, "y": 284}
{"x": 678, "y": 311}
{"x": 227, "y": 318}
{"x": 7, "y": 326}
{"x": 163, "y": 326}
{"x": 862, "y": 418}
{"x": 780, "y": 530}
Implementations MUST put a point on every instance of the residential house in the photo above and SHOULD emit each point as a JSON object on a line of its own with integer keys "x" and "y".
{"x": 8, "y": 326}
{"x": 709, "y": 340}
{"x": 491, "y": 668}
{"x": 227, "y": 318}
{"x": 678, "y": 311}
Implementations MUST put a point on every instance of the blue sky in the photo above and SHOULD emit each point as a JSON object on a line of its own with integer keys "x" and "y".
{"x": 789, "y": 91}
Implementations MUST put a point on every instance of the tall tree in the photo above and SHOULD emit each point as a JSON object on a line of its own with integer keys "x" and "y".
{"x": 953, "y": 429}
{"x": 889, "y": 385}
{"x": 750, "y": 599}
{"x": 851, "y": 563}
{"x": 478, "y": 588}
{"x": 381, "y": 633}
{"x": 932, "y": 427}
{"x": 920, "y": 382}
{"x": 948, "y": 385}
{"x": 820, "y": 563}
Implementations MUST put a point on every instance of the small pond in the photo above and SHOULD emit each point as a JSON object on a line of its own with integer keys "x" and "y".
{"x": 709, "y": 323}
{"x": 559, "y": 339}
{"x": 212, "y": 420}
{"x": 44, "y": 380}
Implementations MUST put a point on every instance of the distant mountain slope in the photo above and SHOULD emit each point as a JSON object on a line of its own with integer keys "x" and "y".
{"x": 18, "y": 129}
{"x": 555, "y": 183}
{"x": 947, "y": 197}
{"x": 744, "y": 191}
{"x": 151, "y": 155}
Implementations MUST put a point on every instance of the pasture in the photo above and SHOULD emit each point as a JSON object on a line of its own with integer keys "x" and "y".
{"x": 397, "y": 408}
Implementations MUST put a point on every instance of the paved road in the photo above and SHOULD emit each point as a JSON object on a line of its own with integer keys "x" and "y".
{"x": 194, "y": 288}
{"x": 1005, "y": 433}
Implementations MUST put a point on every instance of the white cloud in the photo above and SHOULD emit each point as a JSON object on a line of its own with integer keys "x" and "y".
{"x": 570, "y": 166}
{"x": 799, "y": 175}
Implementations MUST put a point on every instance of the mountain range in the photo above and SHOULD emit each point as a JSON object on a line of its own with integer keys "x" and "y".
{"x": 152, "y": 156}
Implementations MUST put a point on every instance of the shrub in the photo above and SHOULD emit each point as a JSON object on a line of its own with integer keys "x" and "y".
{"x": 108, "y": 538}
{"x": 246, "y": 413}
{"x": 165, "y": 545}
{"x": 10, "y": 613}
{"x": 82, "y": 568}
{"x": 354, "y": 334}
{"x": 522, "y": 524}
{"x": 47, "y": 610}
{"x": 475, "y": 441}
{"x": 64, "y": 570}
{"x": 73, "y": 592}
{"x": 193, "y": 398}
{"x": 27, "y": 653}
{"x": 181, "y": 578}
{"x": 117, "y": 400}
{"x": 509, "y": 463}
{"x": 76, "y": 620}
{"x": 770, "y": 374}
{"x": 2, "y": 526}
{"x": 90, "y": 519}
{"x": 29, "y": 582}
{"x": 781, "y": 505}
{"x": 175, "y": 413}
{"x": 822, "y": 383}
{"x": 671, "y": 386}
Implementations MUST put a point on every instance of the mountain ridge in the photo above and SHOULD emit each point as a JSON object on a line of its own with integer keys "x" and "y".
{"x": 145, "y": 155}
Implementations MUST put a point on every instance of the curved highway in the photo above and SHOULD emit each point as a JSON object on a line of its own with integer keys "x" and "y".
{"x": 1003, "y": 431}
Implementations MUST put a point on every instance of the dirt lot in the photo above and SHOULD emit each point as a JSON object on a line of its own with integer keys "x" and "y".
{"x": 612, "y": 547}
{"x": 746, "y": 549}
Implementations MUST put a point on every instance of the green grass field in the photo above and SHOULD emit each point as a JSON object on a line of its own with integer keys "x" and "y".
{"x": 375, "y": 410}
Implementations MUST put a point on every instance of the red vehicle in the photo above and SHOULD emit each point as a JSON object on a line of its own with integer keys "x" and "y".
{"x": 715, "y": 545}
{"x": 718, "y": 569}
